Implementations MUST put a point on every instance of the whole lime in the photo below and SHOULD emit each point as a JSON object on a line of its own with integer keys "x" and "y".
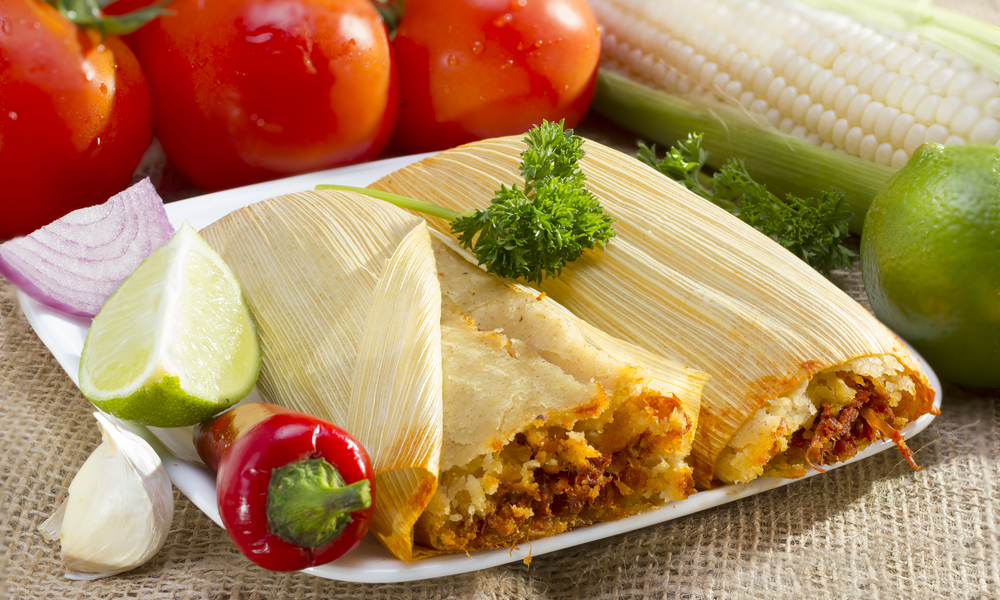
{"x": 930, "y": 254}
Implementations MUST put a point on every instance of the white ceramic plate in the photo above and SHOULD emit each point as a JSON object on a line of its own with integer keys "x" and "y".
{"x": 370, "y": 562}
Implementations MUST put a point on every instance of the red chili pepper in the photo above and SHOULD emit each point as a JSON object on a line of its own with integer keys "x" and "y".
{"x": 294, "y": 491}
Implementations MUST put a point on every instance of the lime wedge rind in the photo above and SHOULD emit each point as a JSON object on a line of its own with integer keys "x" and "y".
{"x": 163, "y": 403}
{"x": 176, "y": 343}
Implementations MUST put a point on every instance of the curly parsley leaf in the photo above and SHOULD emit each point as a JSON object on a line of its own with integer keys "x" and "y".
{"x": 533, "y": 232}
{"x": 682, "y": 163}
{"x": 811, "y": 229}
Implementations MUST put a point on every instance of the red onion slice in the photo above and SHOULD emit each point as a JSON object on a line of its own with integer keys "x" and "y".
{"x": 75, "y": 263}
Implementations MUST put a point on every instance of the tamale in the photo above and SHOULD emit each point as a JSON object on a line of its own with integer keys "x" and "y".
{"x": 530, "y": 421}
{"x": 545, "y": 430}
{"x": 801, "y": 375}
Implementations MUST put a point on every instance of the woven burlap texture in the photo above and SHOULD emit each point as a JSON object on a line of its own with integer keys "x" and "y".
{"x": 874, "y": 529}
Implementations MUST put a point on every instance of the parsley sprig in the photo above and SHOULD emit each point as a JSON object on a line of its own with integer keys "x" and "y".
{"x": 810, "y": 229}
{"x": 532, "y": 232}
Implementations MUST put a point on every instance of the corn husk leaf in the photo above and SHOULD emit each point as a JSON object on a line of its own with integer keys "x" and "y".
{"x": 345, "y": 294}
{"x": 684, "y": 279}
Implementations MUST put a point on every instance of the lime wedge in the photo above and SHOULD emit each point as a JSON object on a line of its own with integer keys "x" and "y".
{"x": 175, "y": 344}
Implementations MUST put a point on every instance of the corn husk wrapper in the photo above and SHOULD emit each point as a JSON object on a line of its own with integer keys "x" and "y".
{"x": 345, "y": 294}
{"x": 683, "y": 278}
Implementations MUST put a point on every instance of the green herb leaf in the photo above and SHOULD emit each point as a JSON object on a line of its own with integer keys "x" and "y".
{"x": 684, "y": 163}
{"x": 532, "y": 233}
{"x": 810, "y": 229}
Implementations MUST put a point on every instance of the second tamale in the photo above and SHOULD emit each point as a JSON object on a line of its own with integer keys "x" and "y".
{"x": 802, "y": 375}
{"x": 544, "y": 430}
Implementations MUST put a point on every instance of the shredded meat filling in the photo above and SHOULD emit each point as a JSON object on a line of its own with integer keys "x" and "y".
{"x": 870, "y": 415}
{"x": 564, "y": 499}
{"x": 838, "y": 436}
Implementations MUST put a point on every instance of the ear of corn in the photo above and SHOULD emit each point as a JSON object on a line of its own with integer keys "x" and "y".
{"x": 784, "y": 163}
{"x": 766, "y": 80}
{"x": 961, "y": 36}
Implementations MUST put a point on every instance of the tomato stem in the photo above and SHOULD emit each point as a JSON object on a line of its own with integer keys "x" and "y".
{"x": 308, "y": 503}
{"x": 402, "y": 201}
{"x": 391, "y": 12}
{"x": 88, "y": 14}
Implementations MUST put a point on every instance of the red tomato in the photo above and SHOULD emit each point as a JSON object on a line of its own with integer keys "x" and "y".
{"x": 249, "y": 90}
{"x": 75, "y": 116}
{"x": 472, "y": 69}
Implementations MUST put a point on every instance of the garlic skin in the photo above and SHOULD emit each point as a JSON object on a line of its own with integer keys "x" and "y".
{"x": 119, "y": 509}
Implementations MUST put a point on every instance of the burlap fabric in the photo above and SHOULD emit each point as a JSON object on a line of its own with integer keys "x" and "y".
{"x": 874, "y": 529}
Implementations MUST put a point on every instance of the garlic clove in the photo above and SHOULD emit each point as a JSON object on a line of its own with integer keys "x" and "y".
{"x": 119, "y": 509}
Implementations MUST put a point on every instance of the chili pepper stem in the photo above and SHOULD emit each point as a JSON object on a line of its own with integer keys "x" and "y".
{"x": 308, "y": 503}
